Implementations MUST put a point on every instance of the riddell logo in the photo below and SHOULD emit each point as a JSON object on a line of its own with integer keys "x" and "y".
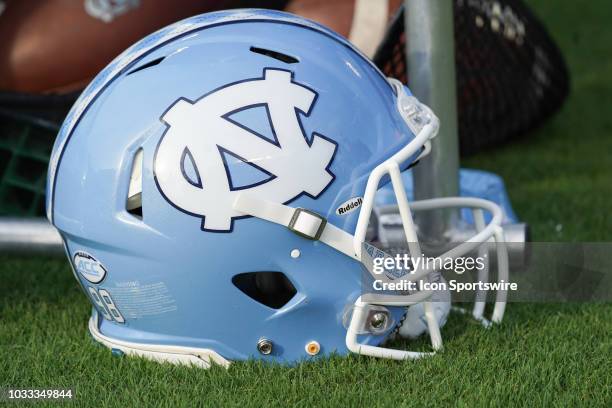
{"x": 349, "y": 206}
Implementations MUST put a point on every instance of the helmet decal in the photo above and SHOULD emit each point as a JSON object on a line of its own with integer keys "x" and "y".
{"x": 108, "y": 10}
{"x": 89, "y": 267}
{"x": 192, "y": 163}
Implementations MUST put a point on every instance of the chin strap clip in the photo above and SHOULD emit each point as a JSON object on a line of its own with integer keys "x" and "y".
{"x": 307, "y": 224}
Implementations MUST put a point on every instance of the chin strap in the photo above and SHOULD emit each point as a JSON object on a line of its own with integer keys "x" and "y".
{"x": 302, "y": 222}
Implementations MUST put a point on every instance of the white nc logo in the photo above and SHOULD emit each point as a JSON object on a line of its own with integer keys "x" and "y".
{"x": 201, "y": 133}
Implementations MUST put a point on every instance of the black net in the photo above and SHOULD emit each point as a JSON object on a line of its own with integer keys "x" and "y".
{"x": 510, "y": 74}
{"x": 28, "y": 126}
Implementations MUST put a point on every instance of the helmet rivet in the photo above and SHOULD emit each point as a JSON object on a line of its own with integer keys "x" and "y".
{"x": 378, "y": 321}
{"x": 313, "y": 348}
{"x": 264, "y": 346}
{"x": 295, "y": 253}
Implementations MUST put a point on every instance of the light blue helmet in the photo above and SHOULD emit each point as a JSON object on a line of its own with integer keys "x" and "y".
{"x": 208, "y": 184}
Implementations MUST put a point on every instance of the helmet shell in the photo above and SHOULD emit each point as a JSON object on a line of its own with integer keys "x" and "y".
{"x": 172, "y": 279}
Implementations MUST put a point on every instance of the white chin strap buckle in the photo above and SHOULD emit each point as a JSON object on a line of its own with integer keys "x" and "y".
{"x": 307, "y": 224}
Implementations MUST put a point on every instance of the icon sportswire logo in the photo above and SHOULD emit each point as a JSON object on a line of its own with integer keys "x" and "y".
{"x": 191, "y": 166}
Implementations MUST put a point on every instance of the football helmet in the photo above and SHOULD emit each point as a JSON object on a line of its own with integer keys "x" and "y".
{"x": 213, "y": 188}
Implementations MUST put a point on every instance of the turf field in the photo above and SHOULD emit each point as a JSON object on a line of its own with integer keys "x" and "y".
{"x": 551, "y": 355}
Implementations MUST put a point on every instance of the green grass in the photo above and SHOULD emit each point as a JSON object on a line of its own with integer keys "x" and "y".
{"x": 557, "y": 354}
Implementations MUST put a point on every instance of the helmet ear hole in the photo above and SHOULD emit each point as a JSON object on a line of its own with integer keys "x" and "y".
{"x": 272, "y": 289}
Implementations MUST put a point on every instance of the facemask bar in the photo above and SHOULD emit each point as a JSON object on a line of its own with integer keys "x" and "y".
{"x": 424, "y": 125}
{"x": 310, "y": 225}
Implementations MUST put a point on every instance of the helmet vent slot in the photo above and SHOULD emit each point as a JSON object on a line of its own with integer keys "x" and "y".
{"x": 149, "y": 64}
{"x": 272, "y": 289}
{"x": 133, "y": 204}
{"x": 287, "y": 59}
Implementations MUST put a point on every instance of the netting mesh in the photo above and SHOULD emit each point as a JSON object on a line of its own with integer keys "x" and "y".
{"x": 510, "y": 74}
{"x": 28, "y": 126}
